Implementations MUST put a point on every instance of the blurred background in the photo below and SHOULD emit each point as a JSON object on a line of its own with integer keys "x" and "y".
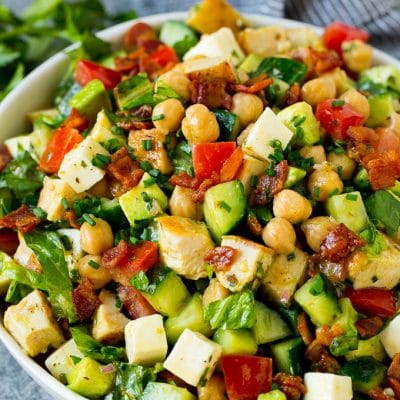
{"x": 381, "y": 18}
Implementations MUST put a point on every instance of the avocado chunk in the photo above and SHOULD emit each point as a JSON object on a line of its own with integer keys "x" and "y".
{"x": 300, "y": 119}
{"x": 294, "y": 176}
{"x": 191, "y": 317}
{"x": 349, "y": 209}
{"x": 143, "y": 201}
{"x": 250, "y": 63}
{"x": 275, "y": 394}
{"x": 380, "y": 108}
{"x": 88, "y": 380}
{"x": 158, "y": 391}
{"x": 287, "y": 355}
{"x": 228, "y": 125}
{"x": 91, "y": 99}
{"x": 224, "y": 207}
{"x": 236, "y": 341}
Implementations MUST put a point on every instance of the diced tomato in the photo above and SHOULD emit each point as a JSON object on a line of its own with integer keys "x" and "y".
{"x": 8, "y": 241}
{"x": 336, "y": 33}
{"x": 64, "y": 139}
{"x": 164, "y": 55}
{"x": 246, "y": 376}
{"x": 87, "y": 71}
{"x": 337, "y": 118}
{"x": 373, "y": 301}
{"x": 210, "y": 157}
{"x": 232, "y": 165}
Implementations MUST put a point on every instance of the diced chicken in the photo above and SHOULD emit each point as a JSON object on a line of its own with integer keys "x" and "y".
{"x": 157, "y": 155}
{"x": 51, "y": 195}
{"x": 109, "y": 322}
{"x": 250, "y": 167}
{"x": 210, "y": 68}
{"x": 32, "y": 324}
{"x": 251, "y": 260}
{"x": 183, "y": 243}
{"x": 284, "y": 276}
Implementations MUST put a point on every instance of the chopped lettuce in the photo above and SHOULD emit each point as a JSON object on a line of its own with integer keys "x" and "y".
{"x": 16, "y": 292}
{"x": 134, "y": 92}
{"x": 234, "y": 312}
{"x": 182, "y": 158}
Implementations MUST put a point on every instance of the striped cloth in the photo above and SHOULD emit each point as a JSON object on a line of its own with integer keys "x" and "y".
{"x": 381, "y": 18}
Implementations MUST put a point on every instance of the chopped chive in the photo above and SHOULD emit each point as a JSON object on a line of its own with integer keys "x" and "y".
{"x": 66, "y": 242}
{"x": 83, "y": 164}
{"x": 158, "y": 117}
{"x": 65, "y": 204}
{"x": 291, "y": 256}
{"x": 147, "y": 144}
{"x": 94, "y": 264}
{"x": 87, "y": 218}
{"x": 337, "y": 103}
{"x": 117, "y": 131}
{"x": 146, "y": 234}
{"x": 112, "y": 145}
{"x": 298, "y": 120}
{"x": 167, "y": 140}
{"x": 333, "y": 192}
{"x": 270, "y": 171}
{"x": 145, "y": 197}
{"x": 75, "y": 359}
{"x": 340, "y": 171}
{"x": 41, "y": 214}
{"x": 100, "y": 160}
{"x": 316, "y": 192}
{"x": 253, "y": 181}
{"x": 155, "y": 173}
{"x": 145, "y": 165}
{"x": 149, "y": 182}
{"x": 225, "y": 206}
{"x": 351, "y": 197}
{"x": 118, "y": 303}
{"x": 133, "y": 240}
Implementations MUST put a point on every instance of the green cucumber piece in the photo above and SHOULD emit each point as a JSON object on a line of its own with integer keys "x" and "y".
{"x": 380, "y": 108}
{"x": 276, "y": 92}
{"x": 361, "y": 180}
{"x": 228, "y": 125}
{"x": 294, "y": 176}
{"x": 111, "y": 211}
{"x": 287, "y": 356}
{"x": 371, "y": 347}
{"x": 158, "y": 391}
{"x": 386, "y": 75}
{"x": 224, "y": 208}
{"x": 236, "y": 341}
{"x": 250, "y": 63}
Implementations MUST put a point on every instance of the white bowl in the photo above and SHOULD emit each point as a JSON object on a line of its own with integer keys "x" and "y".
{"x": 36, "y": 92}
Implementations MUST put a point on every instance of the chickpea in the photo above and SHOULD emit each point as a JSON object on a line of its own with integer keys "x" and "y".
{"x": 342, "y": 81}
{"x": 318, "y": 89}
{"x": 181, "y": 203}
{"x": 315, "y": 152}
{"x": 214, "y": 389}
{"x": 214, "y": 291}
{"x": 357, "y": 55}
{"x": 316, "y": 229}
{"x": 323, "y": 182}
{"x": 100, "y": 276}
{"x": 200, "y": 125}
{"x": 177, "y": 81}
{"x": 357, "y": 100}
{"x": 248, "y": 107}
{"x": 173, "y": 112}
{"x": 100, "y": 189}
{"x": 342, "y": 162}
{"x": 98, "y": 238}
{"x": 291, "y": 206}
{"x": 280, "y": 235}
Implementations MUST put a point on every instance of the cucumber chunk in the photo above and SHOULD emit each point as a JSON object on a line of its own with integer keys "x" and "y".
{"x": 158, "y": 391}
{"x": 287, "y": 356}
{"x": 236, "y": 341}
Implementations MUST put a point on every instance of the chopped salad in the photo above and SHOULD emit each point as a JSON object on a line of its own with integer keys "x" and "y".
{"x": 210, "y": 211}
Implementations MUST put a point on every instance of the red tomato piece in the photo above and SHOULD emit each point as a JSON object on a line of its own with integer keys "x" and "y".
{"x": 164, "y": 55}
{"x": 64, "y": 139}
{"x": 336, "y": 119}
{"x": 373, "y": 301}
{"x": 336, "y": 33}
{"x": 246, "y": 376}
{"x": 210, "y": 157}
{"x": 87, "y": 71}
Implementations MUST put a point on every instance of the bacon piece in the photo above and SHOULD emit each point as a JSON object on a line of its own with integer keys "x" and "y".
{"x": 394, "y": 369}
{"x": 335, "y": 271}
{"x": 185, "y": 180}
{"x": 76, "y": 121}
{"x": 379, "y": 394}
{"x": 138, "y": 31}
{"x": 253, "y": 88}
{"x": 304, "y": 329}
{"x": 383, "y": 170}
{"x": 85, "y": 299}
{"x": 268, "y": 186}
{"x": 125, "y": 65}
{"x": 292, "y": 95}
{"x": 291, "y": 385}
{"x": 198, "y": 194}
{"x": 254, "y": 226}
{"x": 8, "y": 241}
{"x": 116, "y": 255}
{"x": 5, "y": 157}
{"x": 22, "y": 219}
{"x": 395, "y": 385}
{"x": 321, "y": 360}
{"x": 340, "y": 243}
{"x": 231, "y": 166}
{"x": 325, "y": 334}
{"x": 212, "y": 93}
{"x": 221, "y": 258}
{"x": 149, "y": 45}
{"x": 368, "y": 327}
{"x": 134, "y": 302}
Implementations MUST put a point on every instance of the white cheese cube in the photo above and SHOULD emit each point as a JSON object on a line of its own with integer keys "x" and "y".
{"x": 32, "y": 324}
{"x": 101, "y": 131}
{"x": 146, "y": 341}
{"x": 18, "y": 143}
{"x": 266, "y": 129}
{"x": 193, "y": 357}
{"x": 221, "y": 43}
{"x": 51, "y": 195}
{"x": 390, "y": 337}
{"x": 183, "y": 243}
{"x": 60, "y": 362}
{"x": 108, "y": 322}
{"x": 77, "y": 169}
{"x": 324, "y": 386}
{"x": 250, "y": 167}
{"x": 251, "y": 259}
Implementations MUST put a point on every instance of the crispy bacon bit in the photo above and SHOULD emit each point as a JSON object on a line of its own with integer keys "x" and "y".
{"x": 254, "y": 226}
{"x": 394, "y": 369}
{"x": 268, "y": 186}
{"x": 379, "y": 394}
{"x": 291, "y": 385}
{"x": 168, "y": 377}
{"x": 336, "y": 272}
{"x": 70, "y": 216}
{"x": 123, "y": 172}
{"x": 340, "y": 243}
{"x": 185, "y": 180}
{"x": 395, "y": 385}
{"x": 254, "y": 87}
{"x": 325, "y": 334}
{"x": 231, "y": 166}
{"x": 5, "y": 157}
{"x": 368, "y": 327}
{"x": 292, "y": 95}
{"x": 138, "y": 31}
{"x": 221, "y": 258}
{"x": 8, "y": 241}
{"x": 134, "y": 302}
{"x": 85, "y": 299}
{"x": 76, "y": 121}
{"x": 22, "y": 219}
{"x": 304, "y": 329}
{"x": 212, "y": 93}
{"x": 116, "y": 255}
{"x": 198, "y": 194}
{"x": 126, "y": 65}
{"x": 321, "y": 360}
